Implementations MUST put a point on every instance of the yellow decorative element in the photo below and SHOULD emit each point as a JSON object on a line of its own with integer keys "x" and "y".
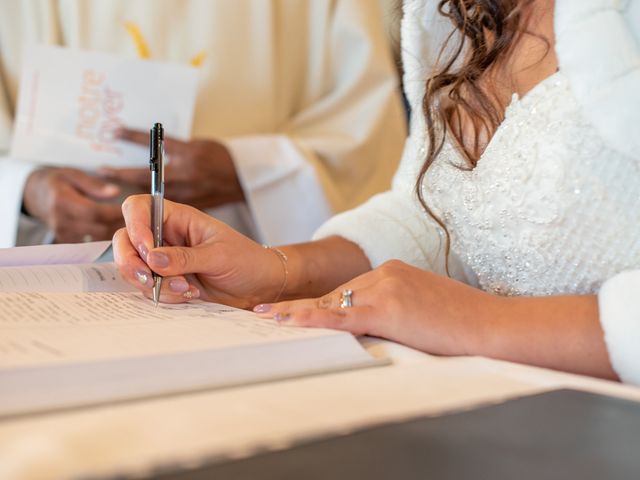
{"x": 138, "y": 40}
{"x": 199, "y": 59}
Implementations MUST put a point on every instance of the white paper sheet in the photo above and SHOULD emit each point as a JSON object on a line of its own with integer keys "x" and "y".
{"x": 71, "y": 102}
{"x": 64, "y": 253}
{"x": 91, "y": 277}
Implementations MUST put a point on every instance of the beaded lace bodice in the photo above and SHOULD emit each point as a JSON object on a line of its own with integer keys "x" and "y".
{"x": 549, "y": 208}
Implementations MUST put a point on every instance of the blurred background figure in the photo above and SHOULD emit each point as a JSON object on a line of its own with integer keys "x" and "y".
{"x": 298, "y": 113}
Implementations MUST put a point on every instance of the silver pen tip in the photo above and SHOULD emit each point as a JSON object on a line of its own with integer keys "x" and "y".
{"x": 156, "y": 291}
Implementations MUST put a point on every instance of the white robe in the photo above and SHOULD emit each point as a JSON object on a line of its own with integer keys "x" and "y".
{"x": 545, "y": 210}
{"x": 303, "y": 93}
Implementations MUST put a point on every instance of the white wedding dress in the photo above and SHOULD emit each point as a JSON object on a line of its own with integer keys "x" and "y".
{"x": 553, "y": 205}
{"x": 549, "y": 209}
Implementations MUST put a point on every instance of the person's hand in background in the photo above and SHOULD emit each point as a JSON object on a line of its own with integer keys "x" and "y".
{"x": 199, "y": 173}
{"x": 73, "y": 204}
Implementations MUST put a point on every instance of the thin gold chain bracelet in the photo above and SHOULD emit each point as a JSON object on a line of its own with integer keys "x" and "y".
{"x": 283, "y": 259}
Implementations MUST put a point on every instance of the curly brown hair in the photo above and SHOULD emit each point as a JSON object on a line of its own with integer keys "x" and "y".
{"x": 487, "y": 30}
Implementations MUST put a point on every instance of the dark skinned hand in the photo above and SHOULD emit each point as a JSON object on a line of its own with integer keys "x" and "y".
{"x": 73, "y": 204}
{"x": 200, "y": 173}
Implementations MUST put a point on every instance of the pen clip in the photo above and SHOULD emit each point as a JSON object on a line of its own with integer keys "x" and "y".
{"x": 153, "y": 152}
{"x": 155, "y": 146}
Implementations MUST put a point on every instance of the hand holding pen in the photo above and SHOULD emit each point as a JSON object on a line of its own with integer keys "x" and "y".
{"x": 156, "y": 165}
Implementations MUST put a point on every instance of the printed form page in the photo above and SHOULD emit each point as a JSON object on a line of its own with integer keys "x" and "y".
{"x": 61, "y": 350}
{"x": 41, "y": 329}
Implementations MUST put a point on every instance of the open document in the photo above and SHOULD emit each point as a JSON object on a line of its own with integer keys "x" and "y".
{"x": 76, "y": 335}
{"x": 60, "y": 350}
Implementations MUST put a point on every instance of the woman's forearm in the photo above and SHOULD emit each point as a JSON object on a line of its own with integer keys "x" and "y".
{"x": 559, "y": 332}
{"x": 315, "y": 268}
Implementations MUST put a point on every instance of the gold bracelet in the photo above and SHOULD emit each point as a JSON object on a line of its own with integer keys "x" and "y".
{"x": 283, "y": 259}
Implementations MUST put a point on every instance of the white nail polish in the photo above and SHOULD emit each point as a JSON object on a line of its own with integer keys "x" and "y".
{"x": 142, "y": 277}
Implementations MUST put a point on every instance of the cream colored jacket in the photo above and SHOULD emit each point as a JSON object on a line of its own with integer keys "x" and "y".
{"x": 304, "y": 93}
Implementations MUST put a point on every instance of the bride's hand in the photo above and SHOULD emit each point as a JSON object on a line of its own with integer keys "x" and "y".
{"x": 401, "y": 303}
{"x": 202, "y": 257}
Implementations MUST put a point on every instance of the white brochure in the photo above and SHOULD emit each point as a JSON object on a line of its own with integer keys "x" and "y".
{"x": 71, "y": 103}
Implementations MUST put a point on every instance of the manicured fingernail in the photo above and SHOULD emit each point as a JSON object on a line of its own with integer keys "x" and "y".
{"x": 192, "y": 293}
{"x": 282, "y": 316}
{"x": 262, "y": 308}
{"x": 143, "y": 276}
{"x": 110, "y": 189}
{"x": 158, "y": 259}
{"x": 143, "y": 251}
{"x": 179, "y": 285}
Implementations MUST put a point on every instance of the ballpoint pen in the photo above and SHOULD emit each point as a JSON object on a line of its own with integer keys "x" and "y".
{"x": 156, "y": 165}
